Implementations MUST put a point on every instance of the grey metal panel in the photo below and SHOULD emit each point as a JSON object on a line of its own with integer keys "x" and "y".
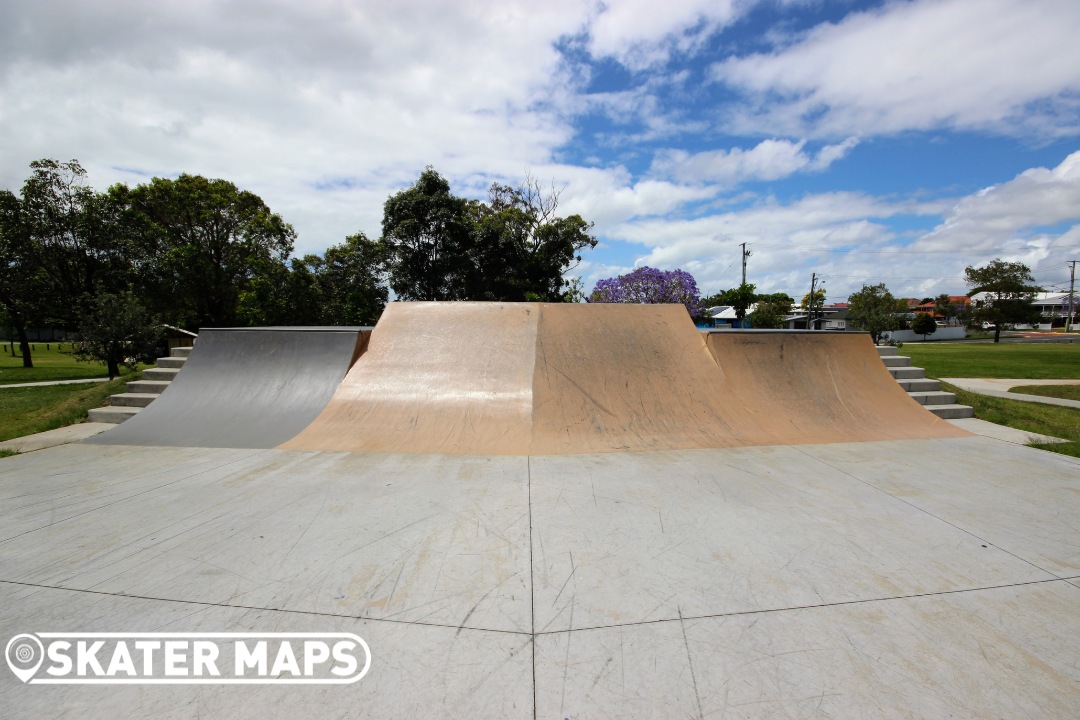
{"x": 245, "y": 388}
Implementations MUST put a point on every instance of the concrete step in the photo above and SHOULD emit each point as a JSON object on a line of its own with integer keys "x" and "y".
{"x": 896, "y": 360}
{"x": 933, "y": 397}
{"x": 114, "y": 415}
{"x": 951, "y": 412}
{"x": 180, "y": 351}
{"x": 166, "y": 374}
{"x": 171, "y": 362}
{"x": 918, "y": 385}
{"x": 132, "y": 399}
{"x": 900, "y": 373}
{"x": 884, "y": 350}
{"x": 155, "y": 387}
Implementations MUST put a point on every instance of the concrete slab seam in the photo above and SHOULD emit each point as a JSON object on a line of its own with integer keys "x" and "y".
{"x": 690, "y": 662}
{"x": 532, "y": 585}
{"x": 814, "y": 606}
{"x": 288, "y": 611}
{"x": 927, "y": 512}
{"x": 450, "y": 626}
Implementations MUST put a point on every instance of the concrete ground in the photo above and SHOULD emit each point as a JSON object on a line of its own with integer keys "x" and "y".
{"x": 999, "y": 387}
{"x": 52, "y": 438}
{"x": 1003, "y": 432}
{"x": 919, "y": 578}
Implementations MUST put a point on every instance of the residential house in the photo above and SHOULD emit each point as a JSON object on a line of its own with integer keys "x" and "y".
{"x": 1053, "y": 307}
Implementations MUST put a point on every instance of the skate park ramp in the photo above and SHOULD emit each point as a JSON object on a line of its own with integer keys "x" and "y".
{"x": 820, "y": 386}
{"x": 245, "y": 388}
{"x": 548, "y": 379}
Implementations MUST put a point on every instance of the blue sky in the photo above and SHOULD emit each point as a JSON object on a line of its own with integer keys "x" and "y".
{"x": 868, "y": 142}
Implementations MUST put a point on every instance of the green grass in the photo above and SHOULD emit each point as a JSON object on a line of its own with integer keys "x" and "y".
{"x": 1065, "y": 392}
{"x": 24, "y": 411}
{"x": 49, "y": 364}
{"x": 1061, "y": 422}
{"x": 8, "y": 453}
{"x": 1037, "y": 361}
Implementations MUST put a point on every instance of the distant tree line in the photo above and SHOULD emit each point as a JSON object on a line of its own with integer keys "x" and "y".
{"x": 194, "y": 252}
{"x": 1009, "y": 285}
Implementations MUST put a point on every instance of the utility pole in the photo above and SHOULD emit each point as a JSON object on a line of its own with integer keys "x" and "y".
{"x": 1072, "y": 289}
{"x": 810, "y": 303}
{"x": 745, "y": 254}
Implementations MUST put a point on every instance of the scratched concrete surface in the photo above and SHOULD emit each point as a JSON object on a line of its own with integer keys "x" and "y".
{"x": 909, "y": 578}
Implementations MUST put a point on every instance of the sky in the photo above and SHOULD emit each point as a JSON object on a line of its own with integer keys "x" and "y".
{"x": 863, "y": 141}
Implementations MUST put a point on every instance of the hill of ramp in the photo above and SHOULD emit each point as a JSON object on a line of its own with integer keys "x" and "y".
{"x": 245, "y": 388}
{"x": 530, "y": 378}
{"x": 820, "y": 387}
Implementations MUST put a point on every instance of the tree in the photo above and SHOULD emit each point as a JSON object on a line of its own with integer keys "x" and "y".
{"x": 116, "y": 330}
{"x": 437, "y": 246}
{"x": 771, "y": 311}
{"x": 739, "y": 298}
{"x": 709, "y": 301}
{"x": 944, "y": 306}
{"x": 924, "y": 325}
{"x": 351, "y": 288}
{"x": 265, "y": 298}
{"x": 813, "y": 305}
{"x": 21, "y": 279}
{"x": 874, "y": 309}
{"x": 75, "y": 238}
{"x": 1010, "y": 290}
{"x": 521, "y": 248}
{"x": 575, "y": 291}
{"x": 426, "y": 241}
{"x": 207, "y": 241}
{"x": 650, "y": 286}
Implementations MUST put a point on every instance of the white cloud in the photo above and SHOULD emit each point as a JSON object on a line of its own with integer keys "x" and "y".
{"x": 325, "y": 108}
{"x": 1007, "y": 220}
{"x": 846, "y": 238}
{"x": 771, "y": 159}
{"x": 280, "y": 97}
{"x": 612, "y": 196}
{"x": 642, "y": 33}
{"x": 1004, "y": 65}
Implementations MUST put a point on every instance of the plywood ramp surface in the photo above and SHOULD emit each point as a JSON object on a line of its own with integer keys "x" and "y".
{"x": 529, "y": 378}
{"x": 820, "y": 387}
{"x": 245, "y": 388}
{"x": 437, "y": 377}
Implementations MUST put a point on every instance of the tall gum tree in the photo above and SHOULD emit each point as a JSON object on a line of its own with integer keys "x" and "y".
{"x": 514, "y": 247}
{"x": 20, "y": 275}
{"x": 207, "y": 240}
{"x": 426, "y": 241}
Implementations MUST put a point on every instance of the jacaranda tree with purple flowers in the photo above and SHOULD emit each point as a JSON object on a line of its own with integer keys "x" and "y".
{"x": 650, "y": 286}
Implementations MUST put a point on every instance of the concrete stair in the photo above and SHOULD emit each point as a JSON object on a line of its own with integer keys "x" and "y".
{"x": 141, "y": 393}
{"x": 927, "y": 393}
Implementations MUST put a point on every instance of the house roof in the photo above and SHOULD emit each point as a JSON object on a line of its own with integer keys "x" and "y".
{"x": 1041, "y": 298}
{"x": 721, "y": 312}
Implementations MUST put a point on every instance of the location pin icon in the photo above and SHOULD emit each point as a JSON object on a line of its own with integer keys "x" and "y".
{"x": 24, "y": 654}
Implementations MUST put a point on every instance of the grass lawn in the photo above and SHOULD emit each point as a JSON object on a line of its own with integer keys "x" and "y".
{"x": 1030, "y": 417}
{"x": 49, "y": 364}
{"x": 1037, "y": 361}
{"x": 24, "y": 411}
{"x": 1065, "y": 392}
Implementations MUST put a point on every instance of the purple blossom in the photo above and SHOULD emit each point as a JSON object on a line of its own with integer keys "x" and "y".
{"x": 651, "y": 286}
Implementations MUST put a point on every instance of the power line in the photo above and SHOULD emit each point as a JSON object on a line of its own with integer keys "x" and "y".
{"x": 892, "y": 252}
